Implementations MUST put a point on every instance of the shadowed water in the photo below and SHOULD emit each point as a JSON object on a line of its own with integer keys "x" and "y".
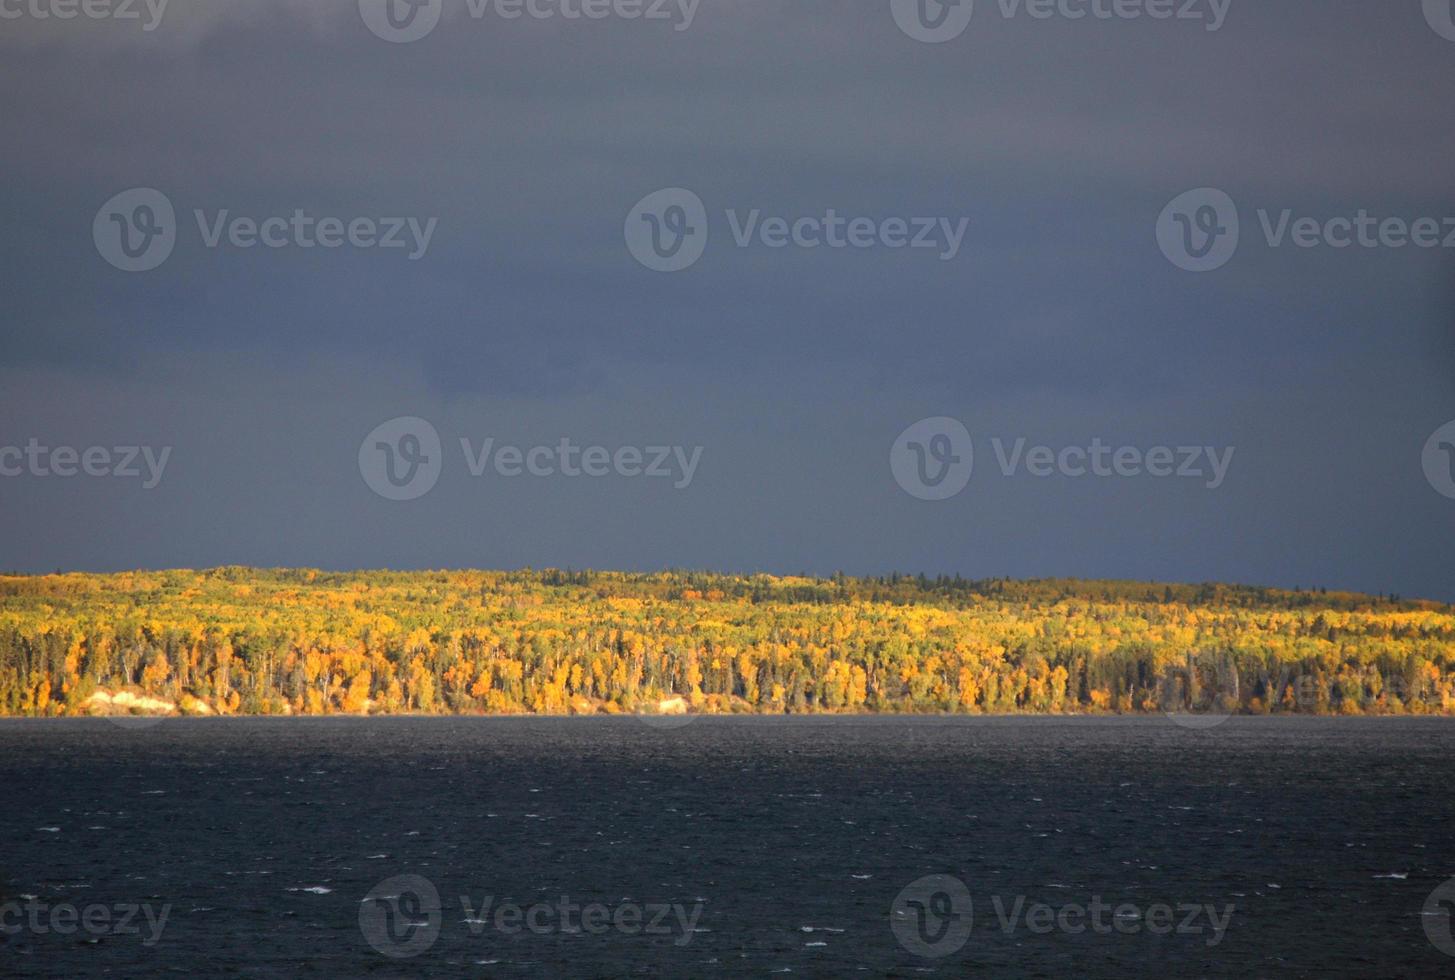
{"x": 769, "y": 845}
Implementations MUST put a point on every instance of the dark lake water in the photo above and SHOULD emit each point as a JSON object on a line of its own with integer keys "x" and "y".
{"x": 821, "y": 847}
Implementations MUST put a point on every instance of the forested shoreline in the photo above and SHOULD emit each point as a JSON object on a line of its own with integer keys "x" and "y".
{"x": 285, "y": 641}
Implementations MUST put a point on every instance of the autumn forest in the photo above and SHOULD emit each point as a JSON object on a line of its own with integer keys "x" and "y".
{"x": 248, "y": 641}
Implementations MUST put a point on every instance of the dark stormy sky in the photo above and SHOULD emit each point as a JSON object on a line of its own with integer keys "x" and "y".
{"x": 528, "y": 319}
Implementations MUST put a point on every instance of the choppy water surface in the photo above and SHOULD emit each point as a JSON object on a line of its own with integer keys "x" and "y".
{"x": 727, "y": 847}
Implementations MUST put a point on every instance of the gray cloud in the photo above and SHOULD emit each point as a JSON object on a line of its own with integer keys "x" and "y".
{"x": 530, "y": 141}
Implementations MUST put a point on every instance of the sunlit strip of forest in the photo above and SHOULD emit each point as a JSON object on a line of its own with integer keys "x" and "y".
{"x": 250, "y": 641}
